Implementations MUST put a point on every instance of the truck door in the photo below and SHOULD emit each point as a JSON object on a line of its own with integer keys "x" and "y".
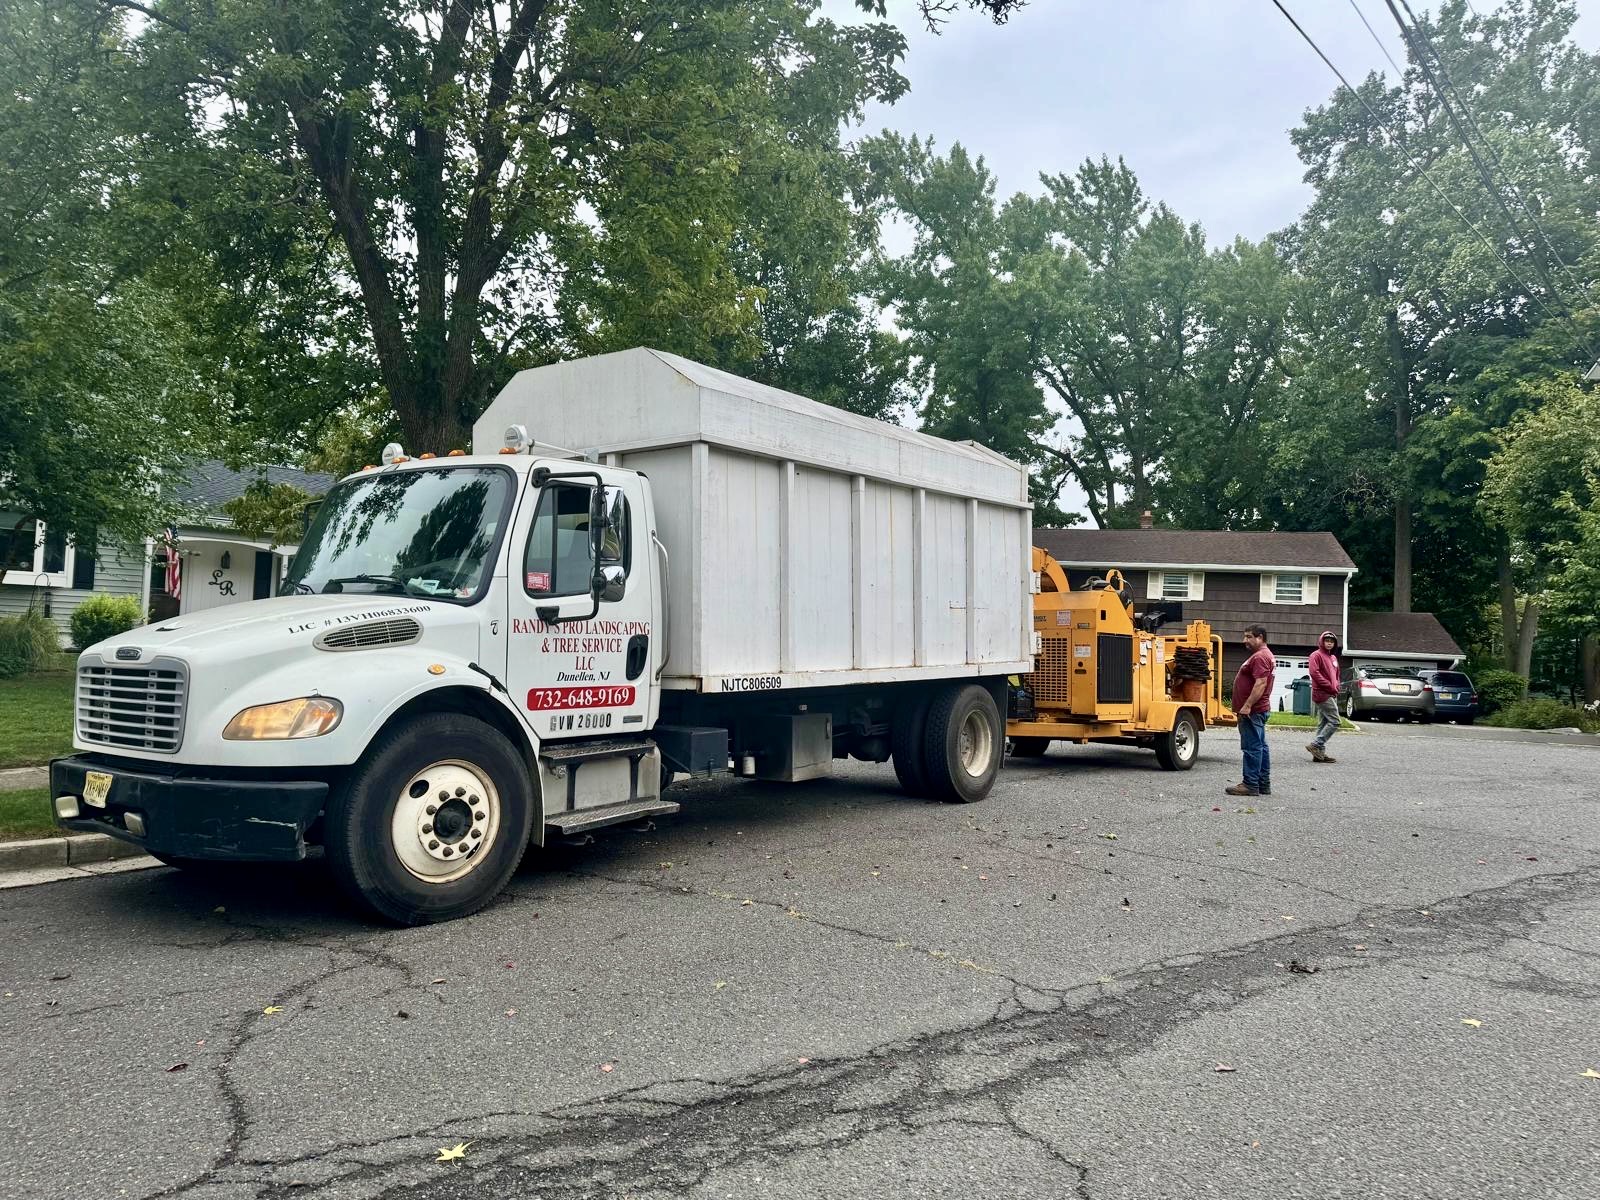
{"x": 578, "y": 672}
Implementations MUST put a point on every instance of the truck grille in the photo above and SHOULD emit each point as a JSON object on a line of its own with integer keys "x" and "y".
{"x": 132, "y": 707}
{"x": 1051, "y": 681}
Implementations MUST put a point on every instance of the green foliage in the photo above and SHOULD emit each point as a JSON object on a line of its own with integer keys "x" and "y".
{"x": 273, "y": 512}
{"x": 100, "y": 617}
{"x": 28, "y": 642}
{"x": 1499, "y": 689}
{"x": 1544, "y": 714}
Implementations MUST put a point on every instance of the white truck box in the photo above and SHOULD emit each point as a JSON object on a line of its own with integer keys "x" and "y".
{"x": 809, "y": 546}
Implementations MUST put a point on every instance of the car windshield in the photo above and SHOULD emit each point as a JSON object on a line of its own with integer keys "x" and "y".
{"x": 1453, "y": 679}
{"x": 428, "y": 532}
{"x": 1391, "y": 673}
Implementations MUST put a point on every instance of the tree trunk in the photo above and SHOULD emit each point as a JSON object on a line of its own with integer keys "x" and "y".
{"x": 1508, "y": 607}
{"x": 1591, "y": 667}
{"x": 1402, "y": 554}
{"x": 1525, "y": 636}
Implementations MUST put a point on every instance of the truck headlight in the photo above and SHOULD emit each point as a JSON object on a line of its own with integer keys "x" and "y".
{"x": 307, "y": 717}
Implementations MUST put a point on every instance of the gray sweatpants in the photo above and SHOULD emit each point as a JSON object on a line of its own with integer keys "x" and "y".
{"x": 1327, "y": 721}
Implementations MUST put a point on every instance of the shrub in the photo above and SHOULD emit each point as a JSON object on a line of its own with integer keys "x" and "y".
{"x": 1499, "y": 688}
{"x": 27, "y": 643}
{"x": 100, "y": 617}
{"x": 1543, "y": 714}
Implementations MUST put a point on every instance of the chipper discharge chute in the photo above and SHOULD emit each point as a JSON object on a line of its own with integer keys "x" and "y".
{"x": 1102, "y": 673}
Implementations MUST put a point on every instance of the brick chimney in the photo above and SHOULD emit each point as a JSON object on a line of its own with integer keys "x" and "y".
{"x": 1146, "y": 520}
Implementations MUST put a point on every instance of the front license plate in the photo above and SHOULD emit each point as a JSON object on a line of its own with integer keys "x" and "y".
{"x": 96, "y": 787}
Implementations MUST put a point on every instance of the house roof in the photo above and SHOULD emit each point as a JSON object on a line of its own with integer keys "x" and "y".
{"x": 1205, "y": 549}
{"x": 209, "y": 484}
{"x": 1418, "y": 634}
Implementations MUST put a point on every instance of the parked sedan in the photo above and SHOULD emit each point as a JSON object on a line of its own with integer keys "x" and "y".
{"x": 1454, "y": 697}
{"x": 1396, "y": 692}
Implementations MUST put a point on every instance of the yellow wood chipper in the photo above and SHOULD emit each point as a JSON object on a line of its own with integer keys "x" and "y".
{"x": 1102, "y": 674}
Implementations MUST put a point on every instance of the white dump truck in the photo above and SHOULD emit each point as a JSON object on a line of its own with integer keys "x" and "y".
{"x": 645, "y": 568}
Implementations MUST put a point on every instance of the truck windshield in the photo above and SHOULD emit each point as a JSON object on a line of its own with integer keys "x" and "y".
{"x": 430, "y": 532}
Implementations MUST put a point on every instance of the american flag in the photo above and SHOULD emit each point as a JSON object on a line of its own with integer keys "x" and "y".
{"x": 174, "y": 567}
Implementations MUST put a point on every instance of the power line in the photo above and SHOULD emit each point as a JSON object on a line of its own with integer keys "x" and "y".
{"x": 1484, "y": 175}
{"x": 1422, "y": 171}
{"x": 1488, "y": 146}
{"x": 1399, "y": 74}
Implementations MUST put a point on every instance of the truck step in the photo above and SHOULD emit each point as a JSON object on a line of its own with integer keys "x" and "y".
{"x": 569, "y": 752}
{"x": 580, "y": 821}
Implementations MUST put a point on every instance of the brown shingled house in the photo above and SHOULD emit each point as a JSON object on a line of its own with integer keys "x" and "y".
{"x": 1296, "y": 584}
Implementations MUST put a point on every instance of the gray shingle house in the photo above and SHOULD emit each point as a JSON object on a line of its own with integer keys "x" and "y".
{"x": 219, "y": 565}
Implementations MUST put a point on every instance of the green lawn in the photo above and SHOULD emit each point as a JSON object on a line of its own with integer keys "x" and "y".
{"x": 26, "y": 814}
{"x": 36, "y": 716}
{"x": 1286, "y": 720}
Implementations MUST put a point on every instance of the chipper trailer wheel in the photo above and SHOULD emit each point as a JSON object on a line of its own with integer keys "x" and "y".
{"x": 434, "y": 820}
{"x": 964, "y": 742}
{"x": 1177, "y": 749}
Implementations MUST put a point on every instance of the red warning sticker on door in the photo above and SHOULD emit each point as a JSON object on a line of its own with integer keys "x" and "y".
{"x": 545, "y": 699}
{"x": 538, "y": 581}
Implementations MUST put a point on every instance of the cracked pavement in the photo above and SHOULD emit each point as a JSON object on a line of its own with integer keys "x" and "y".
{"x": 829, "y": 989}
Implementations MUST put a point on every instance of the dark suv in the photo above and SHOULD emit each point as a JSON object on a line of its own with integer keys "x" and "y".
{"x": 1454, "y": 697}
{"x": 1397, "y": 692}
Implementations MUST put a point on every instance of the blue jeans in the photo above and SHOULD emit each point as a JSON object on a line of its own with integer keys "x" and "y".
{"x": 1253, "y": 741}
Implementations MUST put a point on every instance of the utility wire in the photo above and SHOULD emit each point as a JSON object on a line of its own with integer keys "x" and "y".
{"x": 1422, "y": 171}
{"x": 1488, "y": 146}
{"x": 1400, "y": 76}
{"x": 1486, "y": 177}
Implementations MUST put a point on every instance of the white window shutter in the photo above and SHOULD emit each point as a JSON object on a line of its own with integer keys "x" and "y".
{"x": 1269, "y": 589}
{"x": 1197, "y": 585}
{"x": 1153, "y": 582}
{"x": 1313, "y": 590}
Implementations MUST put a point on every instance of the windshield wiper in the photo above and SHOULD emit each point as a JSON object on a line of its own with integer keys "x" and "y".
{"x": 388, "y": 580}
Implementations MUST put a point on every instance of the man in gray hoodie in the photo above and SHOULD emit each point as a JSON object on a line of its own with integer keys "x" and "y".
{"x": 1324, "y": 667}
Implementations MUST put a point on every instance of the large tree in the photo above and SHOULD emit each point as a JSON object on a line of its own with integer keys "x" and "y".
{"x": 449, "y": 189}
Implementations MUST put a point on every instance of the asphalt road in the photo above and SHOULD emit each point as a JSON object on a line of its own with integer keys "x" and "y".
{"x": 831, "y": 990}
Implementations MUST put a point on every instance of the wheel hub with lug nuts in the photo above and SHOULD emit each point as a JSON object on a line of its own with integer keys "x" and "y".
{"x": 446, "y": 816}
{"x": 976, "y": 744}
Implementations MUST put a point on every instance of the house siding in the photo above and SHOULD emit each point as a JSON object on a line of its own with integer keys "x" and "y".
{"x": 118, "y": 571}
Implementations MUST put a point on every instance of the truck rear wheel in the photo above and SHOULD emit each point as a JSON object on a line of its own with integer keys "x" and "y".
{"x": 910, "y": 720}
{"x": 1177, "y": 749}
{"x": 963, "y": 742}
{"x": 1033, "y": 747}
{"x": 434, "y": 820}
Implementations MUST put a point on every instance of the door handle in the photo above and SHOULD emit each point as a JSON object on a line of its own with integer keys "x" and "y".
{"x": 638, "y": 655}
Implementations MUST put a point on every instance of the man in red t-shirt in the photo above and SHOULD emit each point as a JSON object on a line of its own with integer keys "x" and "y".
{"x": 1252, "y": 701}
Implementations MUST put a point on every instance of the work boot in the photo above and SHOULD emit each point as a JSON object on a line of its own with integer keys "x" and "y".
{"x": 1241, "y": 789}
{"x": 1325, "y": 757}
{"x": 1318, "y": 754}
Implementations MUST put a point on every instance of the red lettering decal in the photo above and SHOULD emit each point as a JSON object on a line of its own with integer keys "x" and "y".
{"x": 547, "y": 699}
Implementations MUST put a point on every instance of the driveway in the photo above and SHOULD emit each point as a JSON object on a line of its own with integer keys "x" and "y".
{"x": 1104, "y": 981}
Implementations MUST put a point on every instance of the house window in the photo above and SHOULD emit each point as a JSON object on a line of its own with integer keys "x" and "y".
{"x": 32, "y": 554}
{"x": 1291, "y": 587}
{"x": 1176, "y": 585}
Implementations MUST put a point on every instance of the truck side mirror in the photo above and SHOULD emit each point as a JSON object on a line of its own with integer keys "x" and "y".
{"x": 599, "y": 520}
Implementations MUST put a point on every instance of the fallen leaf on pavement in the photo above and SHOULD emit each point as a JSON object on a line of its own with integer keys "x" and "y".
{"x": 402, "y": 1014}
{"x": 746, "y": 903}
{"x": 60, "y": 977}
{"x": 607, "y": 1068}
{"x": 720, "y": 984}
{"x": 1300, "y": 968}
{"x": 1470, "y": 1021}
{"x": 272, "y": 1008}
{"x": 1214, "y": 808}
{"x": 1483, "y": 862}
{"x": 1360, "y": 947}
{"x": 1287, "y": 917}
{"x": 201, "y": 1042}
{"x": 440, "y": 979}
{"x": 459, "y": 1150}
{"x": 1225, "y": 1069}
{"x": 1533, "y": 858}
{"x": 1591, "y": 1073}
{"x": 1110, "y": 837}
{"x": 511, "y": 966}
{"x": 802, "y": 1061}
{"x": 177, "y": 1067}
{"x": 1104, "y": 979}
{"x": 511, "y": 1012}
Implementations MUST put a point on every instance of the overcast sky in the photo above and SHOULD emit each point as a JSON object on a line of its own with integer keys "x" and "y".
{"x": 1197, "y": 95}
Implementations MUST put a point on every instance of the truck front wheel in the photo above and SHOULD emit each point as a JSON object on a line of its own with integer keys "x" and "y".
{"x": 964, "y": 742}
{"x": 434, "y": 820}
{"x": 1177, "y": 749}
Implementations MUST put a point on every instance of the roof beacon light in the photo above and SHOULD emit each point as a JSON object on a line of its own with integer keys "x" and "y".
{"x": 392, "y": 453}
{"x": 517, "y": 439}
